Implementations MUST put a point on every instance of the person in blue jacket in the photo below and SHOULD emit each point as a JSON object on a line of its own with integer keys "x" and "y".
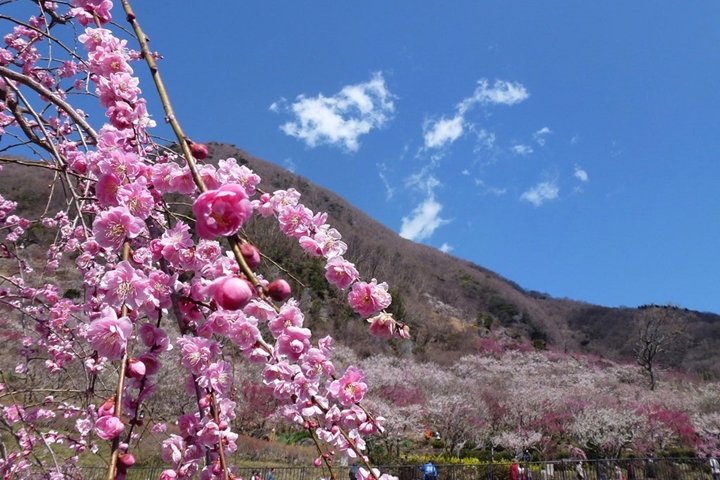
{"x": 429, "y": 471}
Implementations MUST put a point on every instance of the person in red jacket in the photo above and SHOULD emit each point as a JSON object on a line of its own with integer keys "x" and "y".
{"x": 515, "y": 470}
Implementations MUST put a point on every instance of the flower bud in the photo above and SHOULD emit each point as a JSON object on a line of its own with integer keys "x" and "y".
{"x": 199, "y": 151}
{"x": 135, "y": 369}
{"x": 127, "y": 460}
{"x": 279, "y": 290}
{"x": 107, "y": 408}
{"x": 231, "y": 293}
{"x": 251, "y": 255}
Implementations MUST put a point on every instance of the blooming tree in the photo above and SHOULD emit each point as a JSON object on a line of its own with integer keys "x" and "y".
{"x": 157, "y": 279}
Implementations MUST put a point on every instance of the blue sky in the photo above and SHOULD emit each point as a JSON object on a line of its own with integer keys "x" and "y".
{"x": 571, "y": 147}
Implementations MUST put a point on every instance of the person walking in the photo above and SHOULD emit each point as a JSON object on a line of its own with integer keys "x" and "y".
{"x": 580, "y": 471}
{"x": 429, "y": 471}
{"x": 632, "y": 474}
{"x": 714, "y": 468}
{"x": 515, "y": 470}
{"x": 353, "y": 471}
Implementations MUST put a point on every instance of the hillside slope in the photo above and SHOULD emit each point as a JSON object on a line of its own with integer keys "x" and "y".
{"x": 453, "y": 306}
{"x": 450, "y": 302}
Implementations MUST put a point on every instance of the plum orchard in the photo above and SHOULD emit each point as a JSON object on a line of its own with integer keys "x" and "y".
{"x": 149, "y": 269}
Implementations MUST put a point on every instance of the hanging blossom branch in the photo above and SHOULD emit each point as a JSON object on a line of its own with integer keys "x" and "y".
{"x": 142, "y": 265}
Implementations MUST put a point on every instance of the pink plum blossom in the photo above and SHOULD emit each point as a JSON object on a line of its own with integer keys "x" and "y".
{"x": 293, "y": 342}
{"x": 350, "y": 388}
{"x": 221, "y": 212}
{"x": 368, "y": 298}
{"x": 340, "y": 272}
{"x": 109, "y": 334}
{"x": 112, "y": 227}
{"x": 315, "y": 363}
{"x": 382, "y": 325}
{"x": 289, "y": 316}
{"x": 244, "y": 334}
{"x": 295, "y": 220}
{"x": 136, "y": 198}
{"x": 217, "y": 377}
{"x": 109, "y": 427}
{"x": 197, "y": 353}
{"x": 125, "y": 285}
{"x": 107, "y": 188}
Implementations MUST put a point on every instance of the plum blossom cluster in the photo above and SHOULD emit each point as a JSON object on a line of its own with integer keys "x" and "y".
{"x": 154, "y": 280}
{"x": 319, "y": 239}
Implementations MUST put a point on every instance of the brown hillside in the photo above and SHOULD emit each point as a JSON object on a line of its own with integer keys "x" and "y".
{"x": 449, "y": 303}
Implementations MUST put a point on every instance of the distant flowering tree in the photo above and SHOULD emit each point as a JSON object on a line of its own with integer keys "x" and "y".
{"x": 156, "y": 277}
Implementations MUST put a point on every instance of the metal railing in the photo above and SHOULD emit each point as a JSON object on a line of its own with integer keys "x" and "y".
{"x": 602, "y": 469}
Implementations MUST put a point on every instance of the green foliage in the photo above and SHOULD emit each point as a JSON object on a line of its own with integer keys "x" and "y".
{"x": 312, "y": 274}
{"x": 471, "y": 288}
{"x": 484, "y": 321}
{"x": 680, "y": 452}
{"x": 539, "y": 345}
{"x": 503, "y": 310}
{"x": 72, "y": 293}
{"x": 293, "y": 437}
{"x": 397, "y": 307}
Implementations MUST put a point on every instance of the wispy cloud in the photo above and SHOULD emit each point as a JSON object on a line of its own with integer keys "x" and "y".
{"x": 389, "y": 190}
{"x": 425, "y": 218}
{"x": 502, "y": 92}
{"x": 539, "y": 136}
{"x": 442, "y": 132}
{"x": 581, "y": 174}
{"x": 289, "y": 164}
{"x": 341, "y": 119}
{"x": 489, "y": 190}
{"x": 522, "y": 149}
{"x": 541, "y": 193}
{"x": 445, "y": 248}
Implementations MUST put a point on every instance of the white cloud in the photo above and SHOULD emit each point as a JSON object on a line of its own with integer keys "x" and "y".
{"x": 488, "y": 190}
{"x": 389, "y": 190}
{"x": 541, "y": 193}
{"x": 443, "y": 131}
{"x": 502, "y": 92}
{"x": 581, "y": 174}
{"x": 447, "y": 130}
{"x": 341, "y": 119}
{"x": 445, "y": 248}
{"x": 575, "y": 139}
{"x": 485, "y": 141}
{"x": 522, "y": 149}
{"x": 289, "y": 164}
{"x": 539, "y": 136}
{"x": 423, "y": 221}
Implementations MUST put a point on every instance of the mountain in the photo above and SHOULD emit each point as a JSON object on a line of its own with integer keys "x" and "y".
{"x": 452, "y": 306}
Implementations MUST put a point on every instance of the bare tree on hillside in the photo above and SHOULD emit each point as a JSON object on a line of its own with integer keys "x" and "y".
{"x": 659, "y": 329}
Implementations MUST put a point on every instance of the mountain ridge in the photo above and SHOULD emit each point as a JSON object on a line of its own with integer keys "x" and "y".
{"x": 453, "y": 306}
{"x": 437, "y": 288}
